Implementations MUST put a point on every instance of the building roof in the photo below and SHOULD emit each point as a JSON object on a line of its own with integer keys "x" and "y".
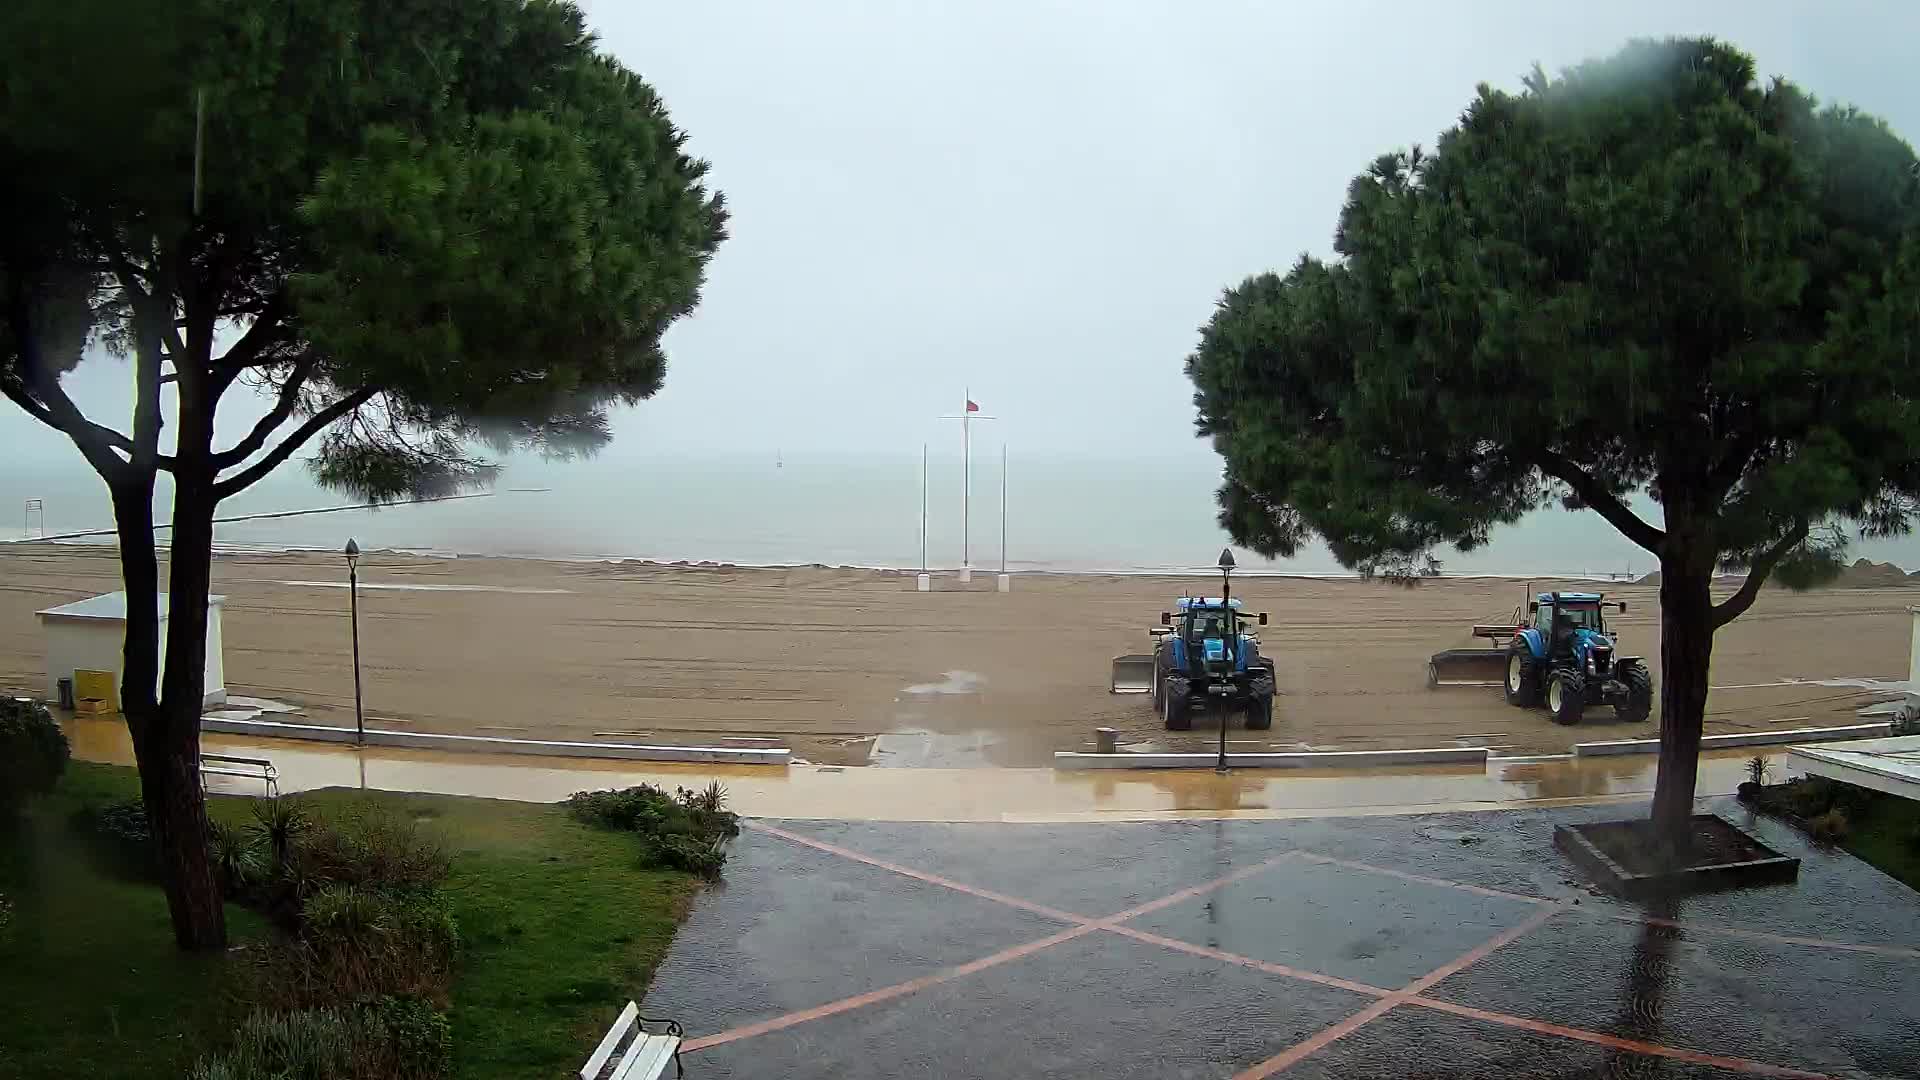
{"x": 1891, "y": 765}
{"x": 110, "y": 607}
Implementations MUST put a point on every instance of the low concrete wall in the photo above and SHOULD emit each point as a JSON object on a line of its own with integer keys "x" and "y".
{"x": 423, "y": 740}
{"x": 1334, "y": 759}
{"x": 1743, "y": 738}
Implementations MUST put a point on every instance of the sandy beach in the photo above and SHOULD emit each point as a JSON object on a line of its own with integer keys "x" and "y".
{"x": 826, "y": 660}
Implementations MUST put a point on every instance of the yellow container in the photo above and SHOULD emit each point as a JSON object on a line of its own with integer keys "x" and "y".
{"x": 96, "y": 685}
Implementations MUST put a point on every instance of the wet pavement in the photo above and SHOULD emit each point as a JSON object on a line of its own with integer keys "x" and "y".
{"x": 1449, "y": 945}
{"x": 937, "y": 794}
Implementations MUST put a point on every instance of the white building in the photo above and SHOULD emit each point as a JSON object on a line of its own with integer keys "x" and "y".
{"x": 89, "y": 635}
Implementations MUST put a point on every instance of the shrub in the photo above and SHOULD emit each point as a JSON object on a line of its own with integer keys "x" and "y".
{"x": 687, "y": 831}
{"x": 33, "y": 752}
{"x": 278, "y": 823}
{"x": 391, "y": 1039}
{"x": 356, "y": 944}
{"x": 376, "y": 850}
{"x": 1757, "y": 769}
{"x": 121, "y": 836}
{"x": 417, "y": 1039}
{"x": 1829, "y": 828}
{"x": 236, "y": 859}
{"x": 1808, "y": 797}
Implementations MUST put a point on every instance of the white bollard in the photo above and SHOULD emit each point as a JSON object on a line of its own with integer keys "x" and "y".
{"x": 1004, "y": 583}
{"x": 923, "y": 582}
{"x": 966, "y": 575}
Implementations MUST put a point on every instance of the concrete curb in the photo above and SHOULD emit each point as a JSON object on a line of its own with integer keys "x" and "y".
{"x": 1744, "y": 738}
{"x": 422, "y": 740}
{"x": 1332, "y": 759}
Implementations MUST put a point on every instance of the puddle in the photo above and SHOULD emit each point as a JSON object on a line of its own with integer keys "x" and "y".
{"x": 248, "y": 708}
{"x": 956, "y": 682}
{"x": 930, "y": 749}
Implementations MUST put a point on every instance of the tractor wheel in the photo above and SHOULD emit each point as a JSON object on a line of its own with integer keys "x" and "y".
{"x": 1259, "y": 713}
{"x": 1159, "y": 678}
{"x": 1175, "y": 705}
{"x": 1639, "y": 703}
{"x": 1523, "y": 675}
{"x": 1566, "y": 697}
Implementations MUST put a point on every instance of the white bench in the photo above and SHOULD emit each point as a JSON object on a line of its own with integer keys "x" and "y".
{"x": 251, "y": 768}
{"x": 629, "y": 1053}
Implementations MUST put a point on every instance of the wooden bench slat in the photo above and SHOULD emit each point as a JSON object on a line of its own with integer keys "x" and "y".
{"x": 618, "y": 1031}
{"x": 647, "y": 1058}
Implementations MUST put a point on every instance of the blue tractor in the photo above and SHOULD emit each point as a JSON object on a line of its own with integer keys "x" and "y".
{"x": 1565, "y": 654}
{"x": 1203, "y": 658}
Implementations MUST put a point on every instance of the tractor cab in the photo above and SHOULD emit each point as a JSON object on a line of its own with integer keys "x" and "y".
{"x": 1208, "y": 637}
{"x": 1568, "y": 623}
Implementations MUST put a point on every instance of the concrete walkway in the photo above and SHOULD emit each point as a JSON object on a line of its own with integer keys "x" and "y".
{"x": 998, "y": 795}
{"x": 1428, "y": 946}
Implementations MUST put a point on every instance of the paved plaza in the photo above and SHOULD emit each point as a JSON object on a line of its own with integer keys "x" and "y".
{"x": 1454, "y": 945}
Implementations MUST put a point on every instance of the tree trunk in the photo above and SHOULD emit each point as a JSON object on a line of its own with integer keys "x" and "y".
{"x": 1686, "y": 653}
{"x": 165, "y": 750}
{"x": 177, "y": 806}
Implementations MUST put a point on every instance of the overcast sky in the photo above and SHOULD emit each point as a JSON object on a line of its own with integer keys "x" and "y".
{"x": 1041, "y": 201}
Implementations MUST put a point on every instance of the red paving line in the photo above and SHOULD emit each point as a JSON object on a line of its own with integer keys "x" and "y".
{"x": 1319, "y": 1041}
{"x": 1757, "y": 1068}
{"x": 1763, "y": 935}
{"x": 1191, "y": 891}
{"x": 885, "y": 993}
{"x": 1388, "y": 999}
{"x": 1387, "y": 871}
{"x": 1430, "y": 979}
{"x": 1700, "y": 927}
{"x": 920, "y": 875}
{"x": 1083, "y": 927}
{"x": 1333, "y": 1033}
{"x": 1249, "y": 962}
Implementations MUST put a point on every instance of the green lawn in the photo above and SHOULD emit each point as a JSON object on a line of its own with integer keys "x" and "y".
{"x": 1888, "y": 836}
{"x": 559, "y": 928}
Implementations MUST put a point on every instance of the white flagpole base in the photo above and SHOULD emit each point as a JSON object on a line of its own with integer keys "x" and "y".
{"x": 1003, "y": 583}
{"x": 923, "y": 582}
{"x": 966, "y": 574}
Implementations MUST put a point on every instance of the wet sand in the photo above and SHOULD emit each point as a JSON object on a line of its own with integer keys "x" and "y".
{"x": 826, "y": 660}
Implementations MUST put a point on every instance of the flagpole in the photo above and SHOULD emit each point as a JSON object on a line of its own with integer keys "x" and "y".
{"x": 1003, "y": 509}
{"x": 966, "y": 485}
{"x": 923, "y": 508}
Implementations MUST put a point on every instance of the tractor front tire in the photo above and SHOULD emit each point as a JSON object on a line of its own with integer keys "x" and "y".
{"x": 1175, "y": 704}
{"x": 1260, "y": 702}
{"x": 1566, "y": 697}
{"x": 1159, "y": 679}
{"x": 1523, "y": 675}
{"x": 1639, "y": 703}
{"x": 1259, "y": 713}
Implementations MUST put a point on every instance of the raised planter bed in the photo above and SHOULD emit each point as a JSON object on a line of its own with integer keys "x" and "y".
{"x": 1620, "y": 856}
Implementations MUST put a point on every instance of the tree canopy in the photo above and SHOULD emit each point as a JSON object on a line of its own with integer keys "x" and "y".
{"x": 422, "y": 229}
{"x": 414, "y": 223}
{"x": 1650, "y": 273}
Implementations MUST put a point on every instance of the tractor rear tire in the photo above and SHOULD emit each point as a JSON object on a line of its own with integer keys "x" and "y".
{"x": 1639, "y": 703}
{"x": 1566, "y": 697}
{"x": 1176, "y": 704}
{"x": 1523, "y": 675}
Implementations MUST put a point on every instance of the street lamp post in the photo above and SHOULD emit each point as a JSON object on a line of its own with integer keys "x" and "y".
{"x": 353, "y": 605}
{"x": 1233, "y": 644}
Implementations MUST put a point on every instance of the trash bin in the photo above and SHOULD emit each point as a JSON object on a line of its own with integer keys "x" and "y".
{"x": 66, "y": 694}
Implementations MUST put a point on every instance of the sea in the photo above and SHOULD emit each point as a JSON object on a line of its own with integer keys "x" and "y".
{"x": 1062, "y": 515}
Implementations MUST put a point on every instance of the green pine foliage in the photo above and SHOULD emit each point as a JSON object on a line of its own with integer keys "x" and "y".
{"x": 1650, "y": 272}
{"x": 1653, "y": 274}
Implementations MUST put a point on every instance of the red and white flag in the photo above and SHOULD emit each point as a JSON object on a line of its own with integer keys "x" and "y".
{"x": 971, "y": 407}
